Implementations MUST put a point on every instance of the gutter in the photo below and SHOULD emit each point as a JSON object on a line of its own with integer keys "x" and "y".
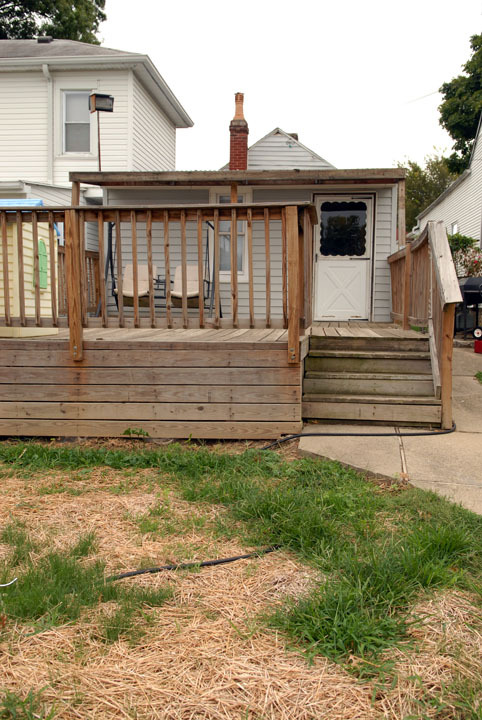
{"x": 50, "y": 123}
{"x": 165, "y": 97}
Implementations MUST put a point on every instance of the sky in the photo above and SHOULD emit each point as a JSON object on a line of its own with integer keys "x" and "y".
{"x": 357, "y": 80}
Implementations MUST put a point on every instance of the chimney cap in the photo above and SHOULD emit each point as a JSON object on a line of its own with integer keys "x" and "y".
{"x": 44, "y": 39}
{"x": 239, "y": 112}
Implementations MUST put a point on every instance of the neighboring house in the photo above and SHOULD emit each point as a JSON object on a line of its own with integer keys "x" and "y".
{"x": 279, "y": 150}
{"x": 460, "y": 205}
{"x": 47, "y": 130}
{"x": 358, "y": 229}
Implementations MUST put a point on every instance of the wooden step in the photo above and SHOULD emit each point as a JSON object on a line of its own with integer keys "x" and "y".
{"x": 417, "y": 344}
{"x": 348, "y": 383}
{"x": 410, "y": 410}
{"x": 397, "y": 362}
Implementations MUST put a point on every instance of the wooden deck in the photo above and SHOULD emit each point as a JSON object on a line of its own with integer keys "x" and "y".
{"x": 175, "y": 383}
{"x": 361, "y": 330}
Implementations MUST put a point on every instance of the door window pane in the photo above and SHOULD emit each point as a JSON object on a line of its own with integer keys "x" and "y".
{"x": 343, "y": 228}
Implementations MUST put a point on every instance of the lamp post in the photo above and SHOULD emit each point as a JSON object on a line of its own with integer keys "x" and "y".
{"x": 99, "y": 102}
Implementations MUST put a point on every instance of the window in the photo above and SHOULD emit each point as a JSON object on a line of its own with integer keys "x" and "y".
{"x": 454, "y": 228}
{"x": 76, "y": 122}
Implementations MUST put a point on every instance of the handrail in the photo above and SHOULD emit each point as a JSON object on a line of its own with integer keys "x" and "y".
{"x": 425, "y": 291}
{"x": 170, "y": 238}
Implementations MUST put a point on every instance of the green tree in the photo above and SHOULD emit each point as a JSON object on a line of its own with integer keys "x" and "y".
{"x": 424, "y": 185}
{"x": 69, "y": 20}
{"x": 462, "y": 105}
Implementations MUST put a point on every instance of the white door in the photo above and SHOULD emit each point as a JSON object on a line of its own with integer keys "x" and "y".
{"x": 343, "y": 253}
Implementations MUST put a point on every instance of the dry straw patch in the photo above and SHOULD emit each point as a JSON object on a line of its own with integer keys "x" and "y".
{"x": 205, "y": 656}
{"x": 449, "y": 642}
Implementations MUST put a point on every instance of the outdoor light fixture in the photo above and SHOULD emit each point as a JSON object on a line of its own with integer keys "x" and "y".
{"x": 99, "y": 102}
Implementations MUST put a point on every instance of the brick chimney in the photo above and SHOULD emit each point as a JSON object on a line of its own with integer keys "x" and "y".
{"x": 238, "y": 129}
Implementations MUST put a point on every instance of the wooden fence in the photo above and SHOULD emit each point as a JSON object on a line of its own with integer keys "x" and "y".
{"x": 425, "y": 291}
{"x": 80, "y": 294}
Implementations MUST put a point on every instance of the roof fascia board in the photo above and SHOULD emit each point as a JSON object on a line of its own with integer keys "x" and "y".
{"x": 258, "y": 178}
{"x": 141, "y": 64}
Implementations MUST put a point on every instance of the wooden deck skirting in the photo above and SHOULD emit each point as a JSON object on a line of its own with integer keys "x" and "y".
{"x": 221, "y": 384}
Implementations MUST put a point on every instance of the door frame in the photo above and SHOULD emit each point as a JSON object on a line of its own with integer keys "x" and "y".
{"x": 318, "y": 198}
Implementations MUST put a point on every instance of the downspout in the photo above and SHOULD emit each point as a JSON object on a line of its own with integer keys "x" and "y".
{"x": 50, "y": 124}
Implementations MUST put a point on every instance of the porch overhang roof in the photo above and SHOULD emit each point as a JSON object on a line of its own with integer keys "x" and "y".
{"x": 197, "y": 178}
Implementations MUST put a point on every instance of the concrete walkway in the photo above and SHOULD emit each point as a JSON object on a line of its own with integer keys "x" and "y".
{"x": 450, "y": 464}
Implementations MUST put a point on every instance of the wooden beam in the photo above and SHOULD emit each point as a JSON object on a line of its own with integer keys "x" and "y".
{"x": 75, "y": 192}
{"x": 407, "y": 278}
{"x": 267, "y": 266}
{"x": 402, "y": 233}
{"x": 167, "y": 268}
{"x": 292, "y": 240}
{"x": 120, "y": 269}
{"x": 6, "y": 283}
{"x": 234, "y": 267}
{"x": 73, "y": 284}
{"x": 200, "y": 270}
{"x": 152, "y": 310}
{"x": 446, "y": 365}
{"x": 53, "y": 255}
{"x": 250, "y": 269}
{"x": 21, "y": 277}
{"x": 36, "y": 269}
{"x": 185, "y": 320}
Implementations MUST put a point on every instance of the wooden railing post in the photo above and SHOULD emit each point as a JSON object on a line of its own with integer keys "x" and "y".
{"x": 448, "y": 318}
{"x": 407, "y": 277}
{"x": 293, "y": 259}
{"x": 72, "y": 262}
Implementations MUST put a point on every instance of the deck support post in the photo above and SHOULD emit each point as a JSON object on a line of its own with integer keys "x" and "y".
{"x": 292, "y": 243}
{"x": 74, "y": 305}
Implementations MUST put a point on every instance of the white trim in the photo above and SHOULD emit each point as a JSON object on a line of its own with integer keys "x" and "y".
{"x": 247, "y": 193}
{"x": 63, "y": 91}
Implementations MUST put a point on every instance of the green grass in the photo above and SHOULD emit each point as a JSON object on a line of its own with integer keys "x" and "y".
{"x": 59, "y": 586}
{"x": 379, "y": 550}
{"x": 30, "y": 707}
{"x": 478, "y": 376}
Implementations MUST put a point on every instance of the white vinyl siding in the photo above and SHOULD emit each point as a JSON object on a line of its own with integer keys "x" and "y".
{"x": 154, "y": 135}
{"x": 23, "y": 126}
{"x": 281, "y": 152}
{"x": 464, "y": 204}
{"x": 113, "y": 126}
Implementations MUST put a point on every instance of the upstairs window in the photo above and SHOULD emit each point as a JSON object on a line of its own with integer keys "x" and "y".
{"x": 76, "y": 122}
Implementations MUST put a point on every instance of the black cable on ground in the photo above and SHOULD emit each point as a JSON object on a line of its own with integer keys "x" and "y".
{"x": 427, "y": 433}
{"x": 271, "y": 548}
{"x": 190, "y": 565}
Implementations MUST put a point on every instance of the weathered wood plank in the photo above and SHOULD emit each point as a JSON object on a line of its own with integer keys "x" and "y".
{"x": 153, "y": 376}
{"x": 293, "y": 285}
{"x": 250, "y": 269}
{"x": 150, "y": 272}
{"x": 267, "y": 266}
{"x": 185, "y": 319}
{"x": 163, "y": 429}
{"x": 21, "y": 276}
{"x": 256, "y": 394}
{"x": 215, "y": 357}
{"x": 53, "y": 257}
{"x": 135, "y": 268}
{"x": 120, "y": 268}
{"x": 149, "y": 411}
{"x": 167, "y": 269}
{"x": 234, "y": 267}
{"x": 216, "y": 269}
{"x": 375, "y": 412}
{"x": 200, "y": 271}
{"x": 6, "y": 279}
{"x": 36, "y": 268}
{"x": 73, "y": 284}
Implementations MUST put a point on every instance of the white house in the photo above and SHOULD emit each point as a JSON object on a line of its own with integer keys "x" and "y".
{"x": 460, "y": 205}
{"x": 47, "y": 131}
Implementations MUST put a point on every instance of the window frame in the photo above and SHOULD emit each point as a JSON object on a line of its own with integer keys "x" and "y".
{"x": 215, "y": 199}
{"x": 64, "y": 93}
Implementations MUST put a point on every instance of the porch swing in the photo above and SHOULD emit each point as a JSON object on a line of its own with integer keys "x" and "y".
{"x": 193, "y": 290}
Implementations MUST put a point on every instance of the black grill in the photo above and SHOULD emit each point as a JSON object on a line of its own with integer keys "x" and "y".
{"x": 471, "y": 289}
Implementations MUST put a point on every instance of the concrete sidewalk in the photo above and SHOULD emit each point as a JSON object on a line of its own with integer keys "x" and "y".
{"x": 450, "y": 464}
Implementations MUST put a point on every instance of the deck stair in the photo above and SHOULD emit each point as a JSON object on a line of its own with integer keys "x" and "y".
{"x": 382, "y": 379}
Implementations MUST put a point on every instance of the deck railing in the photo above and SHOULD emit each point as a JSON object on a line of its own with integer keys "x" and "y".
{"x": 85, "y": 280}
{"x": 425, "y": 292}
